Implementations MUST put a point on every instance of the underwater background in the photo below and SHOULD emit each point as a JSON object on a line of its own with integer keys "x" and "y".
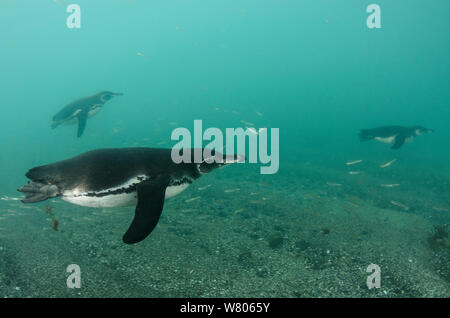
{"x": 313, "y": 69}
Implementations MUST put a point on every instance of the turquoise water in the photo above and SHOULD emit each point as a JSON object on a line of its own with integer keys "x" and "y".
{"x": 313, "y": 69}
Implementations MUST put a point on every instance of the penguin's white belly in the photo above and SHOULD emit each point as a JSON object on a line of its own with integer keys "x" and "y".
{"x": 94, "y": 111}
{"x": 74, "y": 118}
{"x": 107, "y": 201}
{"x": 386, "y": 140}
{"x": 114, "y": 200}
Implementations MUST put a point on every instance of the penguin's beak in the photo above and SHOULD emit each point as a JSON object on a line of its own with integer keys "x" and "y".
{"x": 223, "y": 159}
{"x": 210, "y": 163}
{"x": 233, "y": 159}
{"x": 118, "y": 94}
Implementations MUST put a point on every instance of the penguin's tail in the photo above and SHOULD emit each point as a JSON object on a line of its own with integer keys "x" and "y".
{"x": 36, "y": 192}
{"x": 365, "y": 135}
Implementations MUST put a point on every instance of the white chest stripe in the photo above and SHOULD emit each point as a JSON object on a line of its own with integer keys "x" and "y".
{"x": 387, "y": 140}
{"x": 78, "y": 191}
{"x": 107, "y": 201}
{"x": 79, "y": 197}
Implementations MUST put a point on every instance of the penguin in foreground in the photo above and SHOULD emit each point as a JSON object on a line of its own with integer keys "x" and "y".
{"x": 144, "y": 177}
{"x": 395, "y": 135}
{"x": 81, "y": 109}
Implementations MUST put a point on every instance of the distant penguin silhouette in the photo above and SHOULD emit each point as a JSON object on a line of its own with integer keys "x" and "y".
{"x": 81, "y": 109}
{"x": 395, "y": 135}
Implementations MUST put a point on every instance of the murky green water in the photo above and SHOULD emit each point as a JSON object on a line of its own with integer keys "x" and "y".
{"x": 312, "y": 69}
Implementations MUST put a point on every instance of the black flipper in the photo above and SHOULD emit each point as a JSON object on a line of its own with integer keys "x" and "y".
{"x": 399, "y": 141}
{"x": 82, "y": 119}
{"x": 150, "y": 195}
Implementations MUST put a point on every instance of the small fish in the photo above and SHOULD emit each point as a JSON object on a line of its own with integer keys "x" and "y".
{"x": 247, "y": 123}
{"x": 387, "y": 164}
{"x": 392, "y": 185}
{"x": 399, "y": 204}
{"x": 238, "y": 211}
{"x": 440, "y": 209}
{"x": 252, "y": 130}
{"x": 143, "y": 55}
{"x": 6, "y": 198}
{"x": 259, "y": 114}
{"x": 116, "y": 130}
{"x": 192, "y": 199}
{"x": 63, "y": 3}
{"x": 232, "y": 190}
{"x": 203, "y": 188}
{"x": 332, "y": 184}
{"x": 353, "y": 162}
{"x": 355, "y": 172}
{"x": 354, "y": 204}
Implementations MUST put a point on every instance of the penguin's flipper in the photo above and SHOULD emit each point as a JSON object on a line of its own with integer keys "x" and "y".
{"x": 82, "y": 119}
{"x": 150, "y": 195}
{"x": 399, "y": 141}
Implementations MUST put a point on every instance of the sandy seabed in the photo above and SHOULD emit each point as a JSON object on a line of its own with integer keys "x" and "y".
{"x": 305, "y": 232}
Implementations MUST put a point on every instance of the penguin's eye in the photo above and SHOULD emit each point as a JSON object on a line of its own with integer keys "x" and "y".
{"x": 107, "y": 97}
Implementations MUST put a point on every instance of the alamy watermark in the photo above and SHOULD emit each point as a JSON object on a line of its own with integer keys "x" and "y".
{"x": 374, "y": 279}
{"x": 373, "y": 21}
{"x": 74, "y": 19}
{"x": 74, "y": 279}
{"x": 257, "y": 146}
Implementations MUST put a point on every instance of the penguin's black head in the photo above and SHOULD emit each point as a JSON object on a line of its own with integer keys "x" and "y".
{"x": 213, "y": 159}
{"x": 107, "y": 95}
{"x": 419, "y": 130}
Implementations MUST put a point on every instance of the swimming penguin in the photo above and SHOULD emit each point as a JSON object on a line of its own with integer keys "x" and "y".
{"x": 121, "y": 177}
{"x": 81, "y": 109}
{"x": 395, "y": 135}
